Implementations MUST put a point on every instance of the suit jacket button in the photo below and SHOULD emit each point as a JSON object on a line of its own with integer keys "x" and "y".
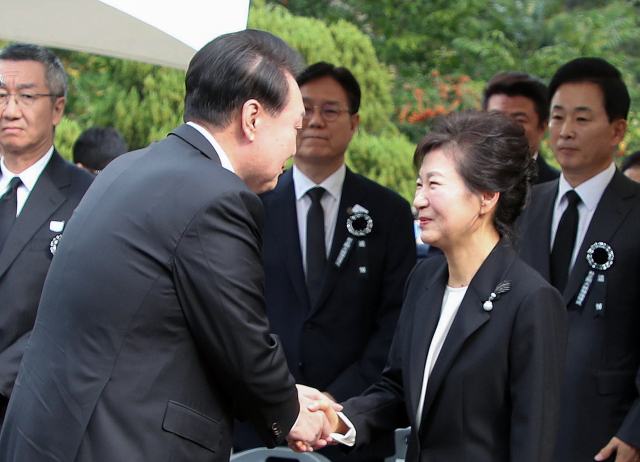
{"x": 276, "y": 429}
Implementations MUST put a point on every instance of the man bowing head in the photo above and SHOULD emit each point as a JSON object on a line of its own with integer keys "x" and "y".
{"x": 152, "y": 333}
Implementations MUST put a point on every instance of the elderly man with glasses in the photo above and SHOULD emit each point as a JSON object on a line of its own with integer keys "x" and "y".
{"x": 39, "y": 192}
{"x": 337, "y": 250}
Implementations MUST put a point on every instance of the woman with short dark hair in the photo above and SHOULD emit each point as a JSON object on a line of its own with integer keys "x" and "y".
{"x": 476, "y": 363}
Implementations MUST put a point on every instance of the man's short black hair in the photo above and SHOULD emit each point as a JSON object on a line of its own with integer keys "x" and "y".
{"x": 603, "y": 74}
{"x": 54, "y": 74}
{"x": 234, "y": 68}
{"x": 98, "y": 146}
{"x": 632, "y": 160}
{"x": 517, "y": 83}
{"x": 342, "y": 75}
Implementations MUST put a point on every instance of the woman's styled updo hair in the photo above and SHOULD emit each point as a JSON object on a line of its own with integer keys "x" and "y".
{"x": 491, "y": 154}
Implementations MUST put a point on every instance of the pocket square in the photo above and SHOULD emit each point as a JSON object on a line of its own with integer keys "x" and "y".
{"x": 56, "y": 226}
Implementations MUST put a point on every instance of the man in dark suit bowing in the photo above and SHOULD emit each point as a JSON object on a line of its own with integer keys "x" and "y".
{"x": 523, "y": 97}
{"x": 581, "y": 233}
{"x": 152, "y": 331}
{"x": 39, "y": 191}
{"x": 337, "y": 249}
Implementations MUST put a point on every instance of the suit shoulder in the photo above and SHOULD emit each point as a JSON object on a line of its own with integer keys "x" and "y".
{"x": 79, "y": 176}
{"x": 531, "y": 285}
{"x": 542, "y": 195}
{"x": 285, "y": 182}
{"x": 427, "y": 267}
{"x": 67, "y": 175}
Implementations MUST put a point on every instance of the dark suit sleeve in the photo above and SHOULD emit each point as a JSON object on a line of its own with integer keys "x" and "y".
{"x": 630, "y": 430}
{"x": 220, "y": 281}
{"x": 400, "y": 258}
{"x": 381, "y": 408}
{"x": 10, "y": 359}
{"x": 538, "y": 349}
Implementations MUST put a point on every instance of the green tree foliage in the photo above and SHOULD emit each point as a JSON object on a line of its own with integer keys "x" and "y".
{"x": 143, "y": 101}
{"x": 67, "y": 132}
{"x": 478, "y": 38}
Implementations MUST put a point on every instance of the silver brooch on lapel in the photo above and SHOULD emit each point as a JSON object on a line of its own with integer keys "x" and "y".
{"x": 600, "y": 258}
{"x": 53, "y": 246}
{"x": 359, "y": 224}
{"x": 503, "y": 287}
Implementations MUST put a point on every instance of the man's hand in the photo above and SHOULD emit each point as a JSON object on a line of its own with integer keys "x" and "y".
{"x": 624, "y": 452}
{"x": 316, "y": 421}
{"x": 316, "y": 395}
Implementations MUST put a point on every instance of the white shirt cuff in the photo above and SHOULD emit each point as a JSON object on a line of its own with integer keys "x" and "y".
{"x": 348, "y": 439}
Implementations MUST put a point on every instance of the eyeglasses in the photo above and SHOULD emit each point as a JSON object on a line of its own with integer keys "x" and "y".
{"x": 22, "y": 99}
{"x": 329, "y": 111}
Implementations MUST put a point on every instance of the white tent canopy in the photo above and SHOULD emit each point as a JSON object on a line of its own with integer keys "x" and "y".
{"x": 161, "y": 32}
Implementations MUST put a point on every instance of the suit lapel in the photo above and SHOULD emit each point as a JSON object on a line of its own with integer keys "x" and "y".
{"x": 471, "y": 316}
{"x": 352, "y": 194}
{"x": 540, "y": 222}
{"x": 284, "y": 211}
{"x": 611, "y": 211}
{"x": 427, "y": 315}
{"x": 43, "y": 201}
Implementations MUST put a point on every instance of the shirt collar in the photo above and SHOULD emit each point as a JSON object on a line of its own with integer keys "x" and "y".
{"x": 333, "y": 183}
{"x": 30, "y": 175}
{"x": 591, "y": 190}
{"x": 224, "y": 159}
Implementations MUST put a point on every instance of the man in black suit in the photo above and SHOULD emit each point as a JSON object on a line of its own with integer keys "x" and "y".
{"x": 336, "y": 327}
{"x": 152, "y": 331}
{"x": 581, "y": 233}
{"x": 523, "y": 97}
{"x": 33, "y": 87}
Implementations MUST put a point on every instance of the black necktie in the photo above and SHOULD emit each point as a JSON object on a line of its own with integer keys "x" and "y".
{"x": 565, "y": 242}
{"x": 8, "y": 208}
{"x": 316, "y": 254}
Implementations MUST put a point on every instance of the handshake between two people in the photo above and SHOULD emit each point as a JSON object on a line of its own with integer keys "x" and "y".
{"x": 317, "y": 420}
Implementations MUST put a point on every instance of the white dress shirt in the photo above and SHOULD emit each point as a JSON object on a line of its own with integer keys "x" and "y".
{"x": 29, "y": 178}
{"x": 224, "y": 160}
{"x": 330, "y": 202}
{"x": 450, "y": 303}
{"x": 590, "y": 193}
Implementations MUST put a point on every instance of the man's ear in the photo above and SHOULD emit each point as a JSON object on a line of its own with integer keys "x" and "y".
{"x": 355, "y": 121}
{"x": 619, "y": 127}
{"x": 249, "y": 118}
{"x": 58, "y": 109}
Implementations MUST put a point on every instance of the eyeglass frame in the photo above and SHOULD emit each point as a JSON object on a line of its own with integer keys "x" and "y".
{"x": 21, "y": 103}
{"x": 338, "y": 110}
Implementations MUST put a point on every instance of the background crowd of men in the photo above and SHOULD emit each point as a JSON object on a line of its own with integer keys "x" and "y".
{"x": 154, "y": 328}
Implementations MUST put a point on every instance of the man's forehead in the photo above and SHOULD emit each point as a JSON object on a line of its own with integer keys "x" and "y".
{"x": 309, "y": 99}
{"x": 24, "y": 71}
{"x": 579, "y": 94}
{"x": 504, "y": 100}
